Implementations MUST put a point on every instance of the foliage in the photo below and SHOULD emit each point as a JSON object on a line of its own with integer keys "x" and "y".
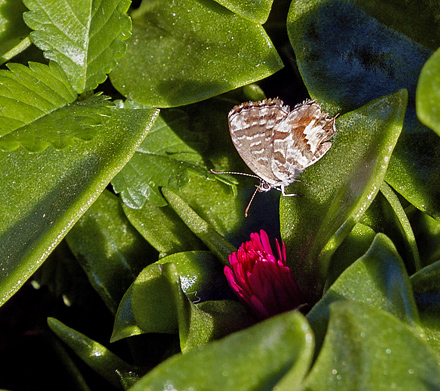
{"x": 109, "y": 206}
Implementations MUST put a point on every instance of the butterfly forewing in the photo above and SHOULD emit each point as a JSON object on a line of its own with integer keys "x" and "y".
{"x": 252, "y": 126}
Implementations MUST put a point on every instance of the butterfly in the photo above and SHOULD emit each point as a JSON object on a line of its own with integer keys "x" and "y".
{"x": 276, "y": 142}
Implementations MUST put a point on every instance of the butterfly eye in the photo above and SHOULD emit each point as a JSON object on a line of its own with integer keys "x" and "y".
{"x": 264, "y": 186}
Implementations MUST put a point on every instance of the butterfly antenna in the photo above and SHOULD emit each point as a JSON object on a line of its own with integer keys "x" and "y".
{"x": 250, "y": 202}
{"x": 234, "y": 173}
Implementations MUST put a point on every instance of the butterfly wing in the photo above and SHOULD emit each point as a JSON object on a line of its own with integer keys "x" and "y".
{"x": 252, "y": 128}
{"x": 301, "y": 140}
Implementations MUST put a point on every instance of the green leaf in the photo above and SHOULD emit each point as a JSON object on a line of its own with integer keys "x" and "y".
{"x": 85, "y": 38}
{"x": 426, "y": 292}
{"x": 201, "y": 275}
{"x": 428, "y": 93}
{"x": 186, "y": 51}
{"x": 204, "y": 231}
{"x": 59, "y": 187}
{"x": 387, "y": 215}
{"x": 163, "y": 158}
{"x": 428, "y": 237}
{"x": 159, "y": 305}
{"x": 97, "y": 356}
{"x": 155, "y": 296}
{"x": 377, "y": 278}
{"x": 356, "y": 244}
{"x": 256, "y": 358}
{"x": 78, "y": 120}
{"x": 125, "y": 323}
{"x": 350, "y": 53}
{"x": 256, "y": 11}
{"x": 32, "y": 96}
{"x": 163, "y": 229}
{"x": 109, "y": 249}
{"x": 13, "y": 31}
{"x": 342, "y": 186}
{"x": 368, "y": 349}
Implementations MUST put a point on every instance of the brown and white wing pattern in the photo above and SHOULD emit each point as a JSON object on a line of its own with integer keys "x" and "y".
{"x": 300, "y": 140}
{"x": 252, "y": 126}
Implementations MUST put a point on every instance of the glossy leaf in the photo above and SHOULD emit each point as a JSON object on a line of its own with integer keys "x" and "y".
{"x": 404, "y": 226}
{"x": 163, "y": 159}
{"x": 379, "y": 279}
{"x": 201, "y": 275}
{"x": 163, "y": 229}
{"x": 59, "y": 187}
{"x": 427, "y": 231}
{"x": 350, "y": 53}
{"x": 34, "y": 97}
{"x": 125, "y": 323}
{"x": 428, "y": 93}
{"x": 85, "y": 38}
{"x": 186, "y": 51}
{"x": 204, "y": 231}
{"x": 356, "y": 244}
{"x": 97, "y": 356}
{"x": 387, "y": 215}
{"x": 155, "y": 296}
{"x": 159, "y": 305}
{"x": 255, "y": 358}
{"x": 255, "y": 10}
{"x": 342, "y": 186}
{"x": 109, "y": 249}
{"x": 13, "y": 30}
{"x": 426, "y": 292}
{"x": 369, "y": 349}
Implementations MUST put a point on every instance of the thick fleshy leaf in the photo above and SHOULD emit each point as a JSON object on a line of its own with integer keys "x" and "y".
{"x": 204, "y": 231}
{"x": 159, "y": 305}
{"x": 35, "y": 101}
{"x": 97, "y": 356}
{"x": 155, "y": 296}
{"x": 201, "y": 275}
{"x": 163, "y": 159}
{"x": 125, "y": 323}
{"x": 368, "y": 349}
{"x": 426, "y": 292}
{"x": 350, "y": 53}
{"x": 59, "y": 186}
{"x": 13, "y": 31}
{"x": 356, "y": 244}
{"x": 163, "y": 229}
{"x": 428, "y": 93}
{"x": 256, "y": 358}
{"x": 85, "y": 38}
{"x": 109, "y": 249}
{"x": 427, "y": 231}
{"x": 387, "y": 215}
{"x": 186, "y": 51}
{"x": 404, "y": 227}
{"x": 378, "y": 278}
{"x": 201, "y": 279}
{"x": 341, "y": 187}
{"x": 255, "y": 10}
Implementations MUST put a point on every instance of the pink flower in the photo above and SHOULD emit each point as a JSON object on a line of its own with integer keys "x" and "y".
{"x": 263, "y": 283}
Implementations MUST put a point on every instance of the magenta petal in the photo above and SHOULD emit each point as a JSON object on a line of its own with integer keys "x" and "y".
{"x": 263, "y": 283}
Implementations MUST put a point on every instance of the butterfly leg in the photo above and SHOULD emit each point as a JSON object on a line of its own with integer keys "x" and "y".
{"x": 286, "y": 195}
